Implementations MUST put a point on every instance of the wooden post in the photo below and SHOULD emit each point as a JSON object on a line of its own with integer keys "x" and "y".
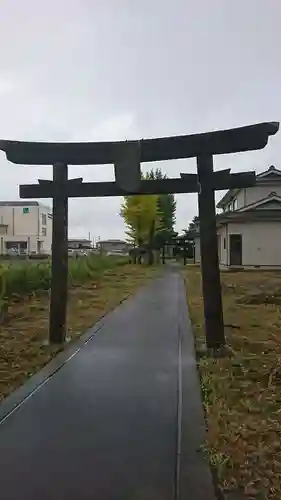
{"x": 163, "y": 253}
{"x": 184, "y": 252}
{"x": 134, "y": 255}
{"x": 213, "y": 311}
{"x": 194, "y": 254}
{"x": 58, "y": 302}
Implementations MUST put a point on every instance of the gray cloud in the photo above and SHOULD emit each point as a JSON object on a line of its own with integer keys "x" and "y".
{"x": 110, "y": 70}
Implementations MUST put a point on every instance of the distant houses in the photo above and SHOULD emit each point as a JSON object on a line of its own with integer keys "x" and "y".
{"x": 113, "y": 246}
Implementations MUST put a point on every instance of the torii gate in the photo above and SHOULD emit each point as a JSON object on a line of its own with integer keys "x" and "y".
{"x": 127, "y": 157}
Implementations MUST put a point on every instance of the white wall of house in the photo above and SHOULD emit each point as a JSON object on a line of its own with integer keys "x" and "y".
{"x": 261, "y": 243}
{"x": 241, "y": 198}
{"x": 256, "y": 193}
{"x": 252, "y": 194}
{"x": 19, "y": 225}
{"x": 45, "y": 230}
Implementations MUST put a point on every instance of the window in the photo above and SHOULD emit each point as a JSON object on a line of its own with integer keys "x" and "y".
{"x": 230, "y": 206}
{"x": 44, "y": 231}
{"x": 44, "y": 219}
{"x": 224, "y": 243}
{"x": 235, "y": 204}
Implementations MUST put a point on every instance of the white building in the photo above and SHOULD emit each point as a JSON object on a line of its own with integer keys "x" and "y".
{"x": 25, "y": 227}
{"x": 249, "y": 227}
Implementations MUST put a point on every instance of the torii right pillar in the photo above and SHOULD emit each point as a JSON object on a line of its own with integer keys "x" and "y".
{"x": 233, "y": 141}
{"x": 211, "y": 286}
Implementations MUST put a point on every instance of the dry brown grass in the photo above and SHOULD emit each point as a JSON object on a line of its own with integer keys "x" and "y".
{"x": 22, "y": 352}
{"x": 242, "y": 394}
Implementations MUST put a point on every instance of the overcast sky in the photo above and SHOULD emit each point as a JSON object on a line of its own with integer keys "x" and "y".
{"x": 125, "y": 69}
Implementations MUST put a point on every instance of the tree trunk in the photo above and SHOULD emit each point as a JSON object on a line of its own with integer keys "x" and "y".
{"x": 150, "y": 244}
{"x": 150, "y": 257}
{"x": 139, "y": 251}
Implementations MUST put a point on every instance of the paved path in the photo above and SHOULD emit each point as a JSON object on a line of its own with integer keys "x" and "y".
{"x": 119, "y": 417}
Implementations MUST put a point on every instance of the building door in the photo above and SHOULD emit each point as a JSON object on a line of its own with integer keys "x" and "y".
{"x": 23, "y": 247}
{"x": 219, "y": 247}
{"x": 39, "y": 247}
{"x": 235, "y": 249}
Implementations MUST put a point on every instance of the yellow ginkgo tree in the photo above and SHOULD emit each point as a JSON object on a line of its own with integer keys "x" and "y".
{"x": 142, "y": 218}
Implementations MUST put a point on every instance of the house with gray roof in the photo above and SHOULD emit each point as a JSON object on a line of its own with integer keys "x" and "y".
{"x": 249, "y": 225}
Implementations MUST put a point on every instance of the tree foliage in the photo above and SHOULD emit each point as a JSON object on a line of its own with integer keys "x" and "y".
{"x": 167, "y": 210}
{"x": 192, "y": 227}
{"x": 141, "y": 216}
{"x": 149, "y": 219}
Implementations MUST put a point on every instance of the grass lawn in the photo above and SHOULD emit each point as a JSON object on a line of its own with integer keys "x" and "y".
{"x": 242, "y": 393}
{"x": 22, "y": 352}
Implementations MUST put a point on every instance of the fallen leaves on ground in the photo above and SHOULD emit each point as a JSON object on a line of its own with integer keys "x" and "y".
{"x": 242, "y": 393}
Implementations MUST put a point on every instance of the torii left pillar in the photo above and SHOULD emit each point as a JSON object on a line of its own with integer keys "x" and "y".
{"x": 59, "y": 286}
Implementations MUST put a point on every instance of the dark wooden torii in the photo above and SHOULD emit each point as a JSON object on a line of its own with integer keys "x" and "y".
{"x": 127, "y": 157}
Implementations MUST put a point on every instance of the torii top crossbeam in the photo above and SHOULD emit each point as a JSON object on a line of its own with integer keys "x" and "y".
{"x": 234, "y": 140}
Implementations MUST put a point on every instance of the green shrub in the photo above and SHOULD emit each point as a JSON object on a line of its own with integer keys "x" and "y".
{"x": 24, "y": 278}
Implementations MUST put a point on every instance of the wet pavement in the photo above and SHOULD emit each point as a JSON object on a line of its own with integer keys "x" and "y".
{"x": 120, "y": 419}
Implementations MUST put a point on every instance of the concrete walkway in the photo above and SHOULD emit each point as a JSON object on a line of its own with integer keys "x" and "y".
{"x": 120, "y": 419}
